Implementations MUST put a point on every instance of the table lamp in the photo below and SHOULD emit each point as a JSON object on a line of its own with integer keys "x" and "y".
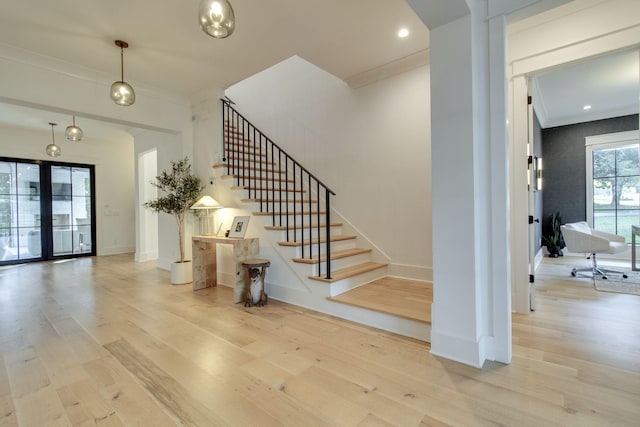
{"x": 207, "y": 203}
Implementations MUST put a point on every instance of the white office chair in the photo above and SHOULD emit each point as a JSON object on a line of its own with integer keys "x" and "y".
{"x": 579, "y": 237}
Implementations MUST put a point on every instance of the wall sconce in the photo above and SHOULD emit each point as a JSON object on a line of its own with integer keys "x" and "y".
{"x": 121, "y": 92}
{"x": 73, "y": 132}
{"x": 207, "y": 203}
{"x": 538, "y": 171}
{"x": 52, "y": 149}
{"x": 217, "y": 18}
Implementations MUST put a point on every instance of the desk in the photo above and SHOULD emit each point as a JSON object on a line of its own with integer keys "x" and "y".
{"x": 635, "y": 231}
{"x": 205, "y": 269}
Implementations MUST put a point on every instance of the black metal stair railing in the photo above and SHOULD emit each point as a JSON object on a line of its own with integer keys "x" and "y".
{"x": 258, "y": 164}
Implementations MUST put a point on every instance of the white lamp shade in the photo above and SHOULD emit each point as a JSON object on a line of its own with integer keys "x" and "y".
{"x": 206, "y": 202}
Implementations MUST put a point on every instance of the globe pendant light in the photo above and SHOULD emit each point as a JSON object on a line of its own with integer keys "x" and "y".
{"x": 52, "y": 149}
{"x": 73, "y": 132}
{"x": 217, "y": 18}
{"x": 121, "y": 92}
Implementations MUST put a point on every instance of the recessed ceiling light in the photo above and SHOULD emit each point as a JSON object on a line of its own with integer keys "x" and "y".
{"x": 403, "y": 33}
{"x": 586, "y": 107}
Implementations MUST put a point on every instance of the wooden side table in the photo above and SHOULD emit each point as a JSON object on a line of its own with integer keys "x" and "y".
{"x": 205, "y": 269}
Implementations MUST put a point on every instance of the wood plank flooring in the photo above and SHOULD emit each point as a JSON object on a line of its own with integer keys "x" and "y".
{"x": 106, "y": 341}
{"x": 409, "y": 299}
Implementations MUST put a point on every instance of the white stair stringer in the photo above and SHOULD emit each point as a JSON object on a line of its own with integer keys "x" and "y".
{"x": 290, "y": 282}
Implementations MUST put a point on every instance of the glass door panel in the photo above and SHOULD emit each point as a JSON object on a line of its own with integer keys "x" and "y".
{"x": 20, "y": 236}
{"x": 61, "y": 210}
{"x": 81, "y": 197}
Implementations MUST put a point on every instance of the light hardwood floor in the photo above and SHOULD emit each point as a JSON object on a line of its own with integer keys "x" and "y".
{"x": 106, "y": 341}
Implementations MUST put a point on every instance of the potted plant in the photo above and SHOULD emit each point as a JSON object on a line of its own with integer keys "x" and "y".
{"x": 181, "y": 190}
{"x": 554, "y": 240}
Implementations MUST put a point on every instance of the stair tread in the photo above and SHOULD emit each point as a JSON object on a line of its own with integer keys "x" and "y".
{"x": 240, "y": 160}
{"x": 282, "y": 190}
{"x": 334, "y": 238}
{"x": 298, "y": 226}
{"x": 334, "y": 255}
{"x": 354, "y": 270}
{"x": 259, "y": 169}
{"x": 277, "y": 201}
{"x": 258, "y": 178}
{"x": 288, "y": 213}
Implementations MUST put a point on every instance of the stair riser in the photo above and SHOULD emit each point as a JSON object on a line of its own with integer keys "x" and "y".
{"x": 335, "y": 246}
{"x": 279, "y": 206}
{"x": 337, "y": 264}
{"x": 344, "y": 285}
{"x": 305, "y": 233}
{"x": 264, "y": 193}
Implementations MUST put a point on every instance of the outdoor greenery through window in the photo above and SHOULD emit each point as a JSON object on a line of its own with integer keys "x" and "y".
{"x": 616, "y": 188}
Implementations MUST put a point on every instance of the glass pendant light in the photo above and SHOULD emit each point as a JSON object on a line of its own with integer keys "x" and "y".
{"x": 217, "y": 18}
{"x": 73, "y": 132}
{"x": 121, "y": 92}
{"x": 52, "y": 149}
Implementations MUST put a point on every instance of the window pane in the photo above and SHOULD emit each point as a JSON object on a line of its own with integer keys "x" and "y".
{"x": 604, "y": 163}
{"x": 60, "y": 183}
{"x": 628, "y": 198}
{"x": 603, "y": 193}
{"x": 28, "y": 212}
{"x": 6, "y": 173}
{"x": 81, "y": 182}
{"x": 28, "y": 179}
{"x": 29, "y": 243}
{"x": 627, "y": 161}
{"x": 8, "y": 244}
{"x": 627, "y": 218}
{"x": 605, "y": 220}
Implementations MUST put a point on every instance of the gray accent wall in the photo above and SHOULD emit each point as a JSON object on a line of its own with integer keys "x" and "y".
{"x": 564, "y": 162}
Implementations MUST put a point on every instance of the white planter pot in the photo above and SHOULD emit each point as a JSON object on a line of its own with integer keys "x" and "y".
{"x": 181, "y": 273}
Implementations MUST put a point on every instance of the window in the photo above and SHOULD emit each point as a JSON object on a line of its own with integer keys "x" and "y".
{"x": 46, "y": 210}
{"x": 613, "y": 182}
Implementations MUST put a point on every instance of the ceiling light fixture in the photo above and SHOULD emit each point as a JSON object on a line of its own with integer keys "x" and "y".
{"x": 73, "y": 132}
{"x": 121, "y": 92}
{"x": 403, "y": 33}
{"x": 217, "y": 18}
{"x": 52, "y": 149}
{"x": 587, "y": 107}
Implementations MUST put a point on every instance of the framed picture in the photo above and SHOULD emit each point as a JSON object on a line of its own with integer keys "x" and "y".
{"x": 239, "y": 226}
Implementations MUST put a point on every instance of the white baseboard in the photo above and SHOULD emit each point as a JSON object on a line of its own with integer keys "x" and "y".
{"x": 115, "y": 250}
{"x": 412, "y": 272}
{"x": 146, "y": 256}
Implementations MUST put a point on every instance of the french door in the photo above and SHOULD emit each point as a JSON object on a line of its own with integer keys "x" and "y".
{"x": 47, "y": 210}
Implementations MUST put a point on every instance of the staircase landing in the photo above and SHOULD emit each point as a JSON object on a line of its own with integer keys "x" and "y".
{"x": 404, "y": 298}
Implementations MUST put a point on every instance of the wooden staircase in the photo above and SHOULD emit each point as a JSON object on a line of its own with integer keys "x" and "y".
{"x": 272, "y": 176}
{"x": 293, "y": 219}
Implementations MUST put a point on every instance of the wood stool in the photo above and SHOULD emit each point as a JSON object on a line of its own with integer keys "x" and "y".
{"x": 253, "y": 292}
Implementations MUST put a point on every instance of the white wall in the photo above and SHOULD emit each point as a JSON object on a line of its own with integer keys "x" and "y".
{"x": 113, "y": 160}
{"x": 168, "y": 148}
{"x": 41, "y": 82}
{"x": 369, "y": 145}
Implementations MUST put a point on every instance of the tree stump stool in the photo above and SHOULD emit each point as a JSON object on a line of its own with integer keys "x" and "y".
{"x": 253, "y": 292}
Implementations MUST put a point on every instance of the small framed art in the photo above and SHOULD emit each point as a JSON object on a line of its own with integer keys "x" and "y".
{"x": 239, "y": 226}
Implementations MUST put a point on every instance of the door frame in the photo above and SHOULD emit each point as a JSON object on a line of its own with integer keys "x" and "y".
{"x": 519, "y": 72}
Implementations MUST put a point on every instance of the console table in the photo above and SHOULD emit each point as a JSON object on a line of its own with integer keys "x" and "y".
{"x": 205, "y": 269}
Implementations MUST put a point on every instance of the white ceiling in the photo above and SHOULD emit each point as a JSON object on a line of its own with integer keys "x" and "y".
{"x": 169, "y": 53}
{"x": 609, "y": 84}
{"x": 167, "y": 49}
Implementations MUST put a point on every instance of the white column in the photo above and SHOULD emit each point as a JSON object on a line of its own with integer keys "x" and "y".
{"x": 471, "y": 310}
